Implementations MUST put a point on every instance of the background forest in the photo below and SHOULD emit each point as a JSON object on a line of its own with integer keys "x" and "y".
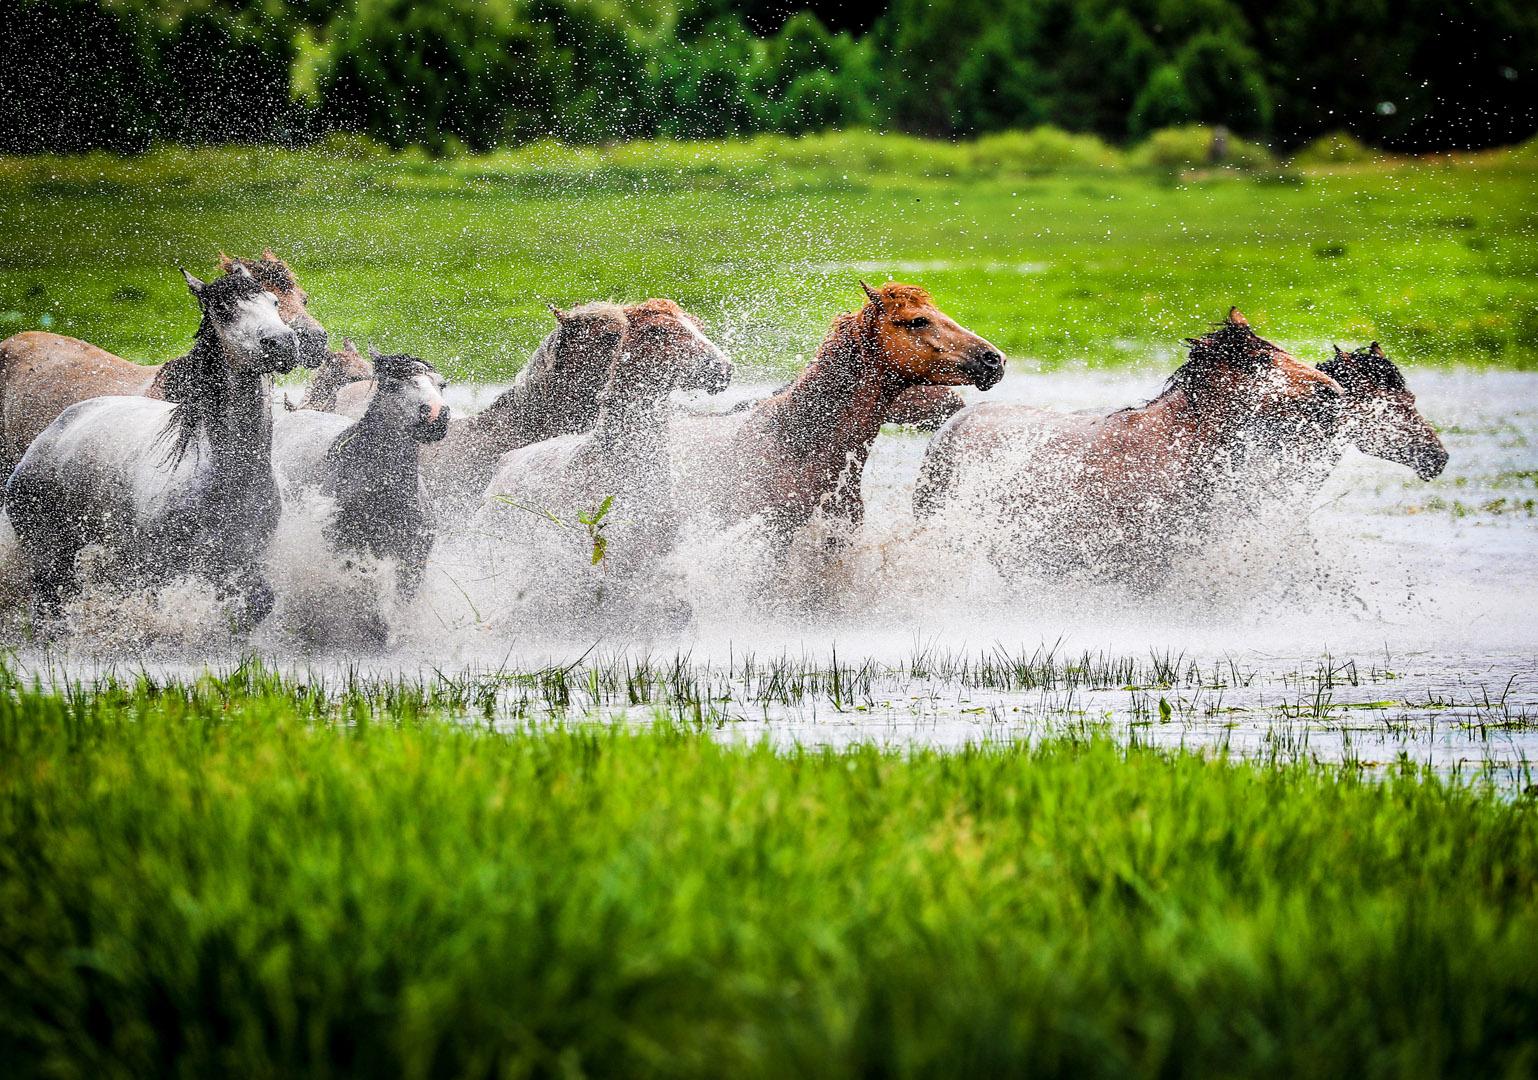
{"x": 1408, "y": 75}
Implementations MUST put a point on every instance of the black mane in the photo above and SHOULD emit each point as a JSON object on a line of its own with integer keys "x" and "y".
{"x": 198, "y": 384}
{"x": 1367, "y": 368}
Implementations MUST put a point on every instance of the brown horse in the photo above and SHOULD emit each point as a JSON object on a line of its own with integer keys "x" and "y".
{"x": 42, "y": 374}
{"x": 1125, "y": 494}
{"x": 622, "y": 463}
{"x": 804, "y": 449}
{"x": 337, "y": 371}
{"x": 1380, "y": 417}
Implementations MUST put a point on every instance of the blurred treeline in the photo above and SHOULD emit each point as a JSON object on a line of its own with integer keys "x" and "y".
{"x": 445, "y": 74}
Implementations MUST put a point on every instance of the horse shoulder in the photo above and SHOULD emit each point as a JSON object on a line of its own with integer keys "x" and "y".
{"x": 352, "y": 400}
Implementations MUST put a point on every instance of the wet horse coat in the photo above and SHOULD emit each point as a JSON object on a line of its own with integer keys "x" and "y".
{"x": 166, "y": 488}
{"x": 1127, "y": 494}
{"x": 42, "y": 374}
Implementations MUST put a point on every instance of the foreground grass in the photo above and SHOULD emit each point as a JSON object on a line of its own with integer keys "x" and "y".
{"x": 255, "y": 877}
{"x": 1061, "y": 252}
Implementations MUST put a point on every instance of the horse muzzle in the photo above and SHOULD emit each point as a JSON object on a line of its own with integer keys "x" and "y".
{"x": 984, "y": 367}
{"x": 313, "y": 346}
{"x": 1430, "y": 462}
{"x": 431, "y": 431}
{"x": 281, "y": 352}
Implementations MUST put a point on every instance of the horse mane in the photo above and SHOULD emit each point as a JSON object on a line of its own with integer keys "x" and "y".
{"x": 1227, "y": 345}
{"x": 1367, "y": 368}
{"x": 198, "y": 384}
{"x": 269, "y": 271}
{"x": 897, "y": 293}
{"x": 653, "y": 311}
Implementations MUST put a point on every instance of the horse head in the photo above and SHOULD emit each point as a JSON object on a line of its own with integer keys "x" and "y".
{"x": 921, "y": 344}
{"x": 584, "y": 341}
{"x": 345, "y": 367}
{"x": 275, "y": 275}
{"x": 671, "y": 343}
{"x": 241, "y": 319}
{"x": 1238, "y": 377}
{"x": 409, "y": 393}
{"x": 1380, "y": 417}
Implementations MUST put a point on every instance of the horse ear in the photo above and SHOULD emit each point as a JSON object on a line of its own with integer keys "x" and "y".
{"x": 1340, "y": 354}
{"x": 225, "y": 262}
{"x": 1376, "y": 350}
{"x": 1236, "y": 317}
{"x": 269, "y": 255}
{"x": 348, "y": 348}
{"x": 871, "y": 294}
{"x": 374, "y": 354}
{"x": 560, "y": 316}
{"x": 193, "y": 284}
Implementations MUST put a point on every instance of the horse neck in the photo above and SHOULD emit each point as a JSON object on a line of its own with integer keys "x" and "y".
{"x": 323, "y": 389}
{"x": 838, "y": 403}
{"x": 234, "y": 416}
{"x": 376, "y": 453}
{"x": 1219, "y": 447}
{"x": 541, "y": 402}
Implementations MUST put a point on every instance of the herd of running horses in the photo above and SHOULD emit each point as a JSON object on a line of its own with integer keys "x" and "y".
{"x": 184, "y": 469}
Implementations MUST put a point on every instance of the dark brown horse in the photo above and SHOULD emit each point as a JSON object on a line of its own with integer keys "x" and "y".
{"x": 1380, "y": 417}
{"x": 1125, "y": 494}
{"x": 804, "y": 449}
{"x": 42, "y": 374}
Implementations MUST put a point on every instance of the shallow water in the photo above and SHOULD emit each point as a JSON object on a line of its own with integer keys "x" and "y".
{"x": 1431, "y": 613}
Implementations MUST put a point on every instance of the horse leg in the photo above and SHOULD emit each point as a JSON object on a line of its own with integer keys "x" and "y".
{"x": 253, "y": 595}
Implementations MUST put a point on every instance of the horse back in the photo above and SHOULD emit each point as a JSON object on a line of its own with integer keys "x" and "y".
{"x": 42, "y": 374}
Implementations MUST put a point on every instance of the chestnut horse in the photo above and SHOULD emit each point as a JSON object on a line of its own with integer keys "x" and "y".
{"x": 1122, "y": 495}
{"x": 167, "y": 489}
{"x": 804, "y": 449}
{"x": 41, "y": 374}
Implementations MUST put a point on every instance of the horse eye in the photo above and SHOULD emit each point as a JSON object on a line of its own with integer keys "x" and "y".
{"x": 919, "y": 322}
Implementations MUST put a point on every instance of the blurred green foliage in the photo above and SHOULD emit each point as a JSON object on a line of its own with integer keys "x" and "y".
{"x": 479, "y": 74}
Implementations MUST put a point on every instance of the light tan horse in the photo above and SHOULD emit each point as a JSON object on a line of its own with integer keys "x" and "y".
{"x": 337, "y": 371}
{"x": 556, "y": 392}
{"x": 804, "y": 449}
{"x": 1126, "y": 494}
{"x": 42, "y": 374}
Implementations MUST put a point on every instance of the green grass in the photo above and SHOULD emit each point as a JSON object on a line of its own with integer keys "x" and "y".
{"x": 256, "y": 876}
{"x": 1063, "y": 251}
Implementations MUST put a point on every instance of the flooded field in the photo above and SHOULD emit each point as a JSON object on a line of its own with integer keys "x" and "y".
{"x": 1406, "y": 631}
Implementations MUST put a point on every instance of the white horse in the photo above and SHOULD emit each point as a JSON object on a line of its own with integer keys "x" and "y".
{"x": 173, "y": 487}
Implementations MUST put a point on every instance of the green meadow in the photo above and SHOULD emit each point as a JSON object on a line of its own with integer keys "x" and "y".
{"x": 1061, "y": 249}
{"x": 265, "y": 876}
